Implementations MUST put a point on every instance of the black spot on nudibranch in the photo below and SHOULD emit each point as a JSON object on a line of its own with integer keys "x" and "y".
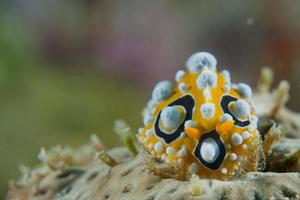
{"x": 188, "y": 103}
{"x": 226, "y": 100}
{"x": 221, "y": 148}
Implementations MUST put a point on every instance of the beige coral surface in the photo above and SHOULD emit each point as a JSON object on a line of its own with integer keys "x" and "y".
{"x": 130, "y": 179}
{"x": 92, "y": 172}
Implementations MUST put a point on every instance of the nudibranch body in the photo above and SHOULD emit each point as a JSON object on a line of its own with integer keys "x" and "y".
{"x": 203, "y": 124}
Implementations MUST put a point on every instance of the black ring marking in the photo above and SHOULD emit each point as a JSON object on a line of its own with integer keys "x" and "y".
{"x": 216, "y": 137}
{"x": 188, "y": 103}
{"x": 226, "y": 100}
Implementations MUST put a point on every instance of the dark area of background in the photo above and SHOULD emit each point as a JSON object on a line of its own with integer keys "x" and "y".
{"x": 70, "y": 68}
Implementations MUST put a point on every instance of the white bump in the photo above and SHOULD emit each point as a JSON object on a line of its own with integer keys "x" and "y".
{"x": 194, "y": 110}
{"x": 182, "y": 134}
{"x": 240, "y": 109}
{"x": 193, "y": 168}
{"x": 226, "y": 76}
{"x": 199, "y": 60}
{"x": 141, "y": 130}
{"x": 226, "y": 88}
{"x": 228, "y": 146}
{"x": 254, "y": 119}
{"x": 162, "y": 90}
{"x": 208, "y": 79}
{"x": 226, "y": 117}
{"x": 234, "y": 86}
{"x": 224, "y": 170}
{"x": 170, "y": 150}
{"x": 172, "y": 117}
{"x": 246, "y": 135}
{"x": 208, "y": 110}
{"x": 251, "y": 128}
{"x": 183, "y": 87}
{"x": 148, "y": 119}
{"x": 257, "y": 133}
{"x": 144, "y": 140}
{"x": 244, "y": 90}
{"x": 164, "y": 157}
{"x": 150, "y": 145}
{"x": 182, "y": 152}
{"x": 158, "y": 147}
{"x": 236, "y": 139}
{"x": 180, "y": 75}
{"x": 149, "y": 132}
{"x": 190, "y": 124}
{"x": 207, "y": 94}
{"x": 209, "y": 150}
{"x": 152, "y": 103}
{"x": 253, "y": 107}
{"x": 233, "y": 156}
{"x": 245, "y": 147}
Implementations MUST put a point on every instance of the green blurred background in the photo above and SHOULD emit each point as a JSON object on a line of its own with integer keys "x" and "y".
{"x": 70, "y": 68}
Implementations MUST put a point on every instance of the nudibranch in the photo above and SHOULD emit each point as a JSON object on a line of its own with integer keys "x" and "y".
{"x": 203, "y": 124}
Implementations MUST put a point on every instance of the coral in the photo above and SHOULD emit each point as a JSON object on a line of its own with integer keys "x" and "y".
{"x": 131, "y": 179}
{"x": 94, "y": 172}
{"x": 285, "y": 156}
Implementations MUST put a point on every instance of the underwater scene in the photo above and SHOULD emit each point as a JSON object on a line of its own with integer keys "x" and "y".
{"x": 149, "y": 100}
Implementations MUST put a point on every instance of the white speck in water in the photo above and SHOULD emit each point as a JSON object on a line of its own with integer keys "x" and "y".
{"x": 250, "y": 21}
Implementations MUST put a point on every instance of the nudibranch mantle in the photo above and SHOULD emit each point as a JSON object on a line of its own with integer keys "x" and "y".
{"x": 203, "y": 124}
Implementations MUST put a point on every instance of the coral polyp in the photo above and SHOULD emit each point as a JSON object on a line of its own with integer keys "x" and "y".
{"x": 203, "y": 124}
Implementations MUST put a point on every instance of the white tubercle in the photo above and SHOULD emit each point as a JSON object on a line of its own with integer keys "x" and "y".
{"x": 244, "y": 90}
{"x": 236, "y": 139}
{"x": 190, "y": 124}
{"x": 226, "y": 117}
{"x": 240, "y": 109}
{"x": 148, "y": 119}
{"x": 141, "y": 130}
{"x": 245, "y": 147}
{"x": 207, "y": 94}
{"x": 172, "y": 117}
{"x": 224, "y": 170}
{"x": 251, "y": 128}
{"x": 198, "y": 60}
{"x": 170, "y": 150}
{"x": 183, "y": 87}
{"x": 151, "y": 104}
{"x": 182, "y": 134}
{"x": 158, "y": 147}
{"x": 182, "y": 152}
{"x": 228, "y": 146}
{"x": 180, "y": 75}
{"x": 149, "y": 132}
{"x": 207, "y": 78}
{"x": 208, "y": 110}
{"x": 226, "y": 76}
{"x": 246, "y": 135}
{"x": 193, "y": 168}
{"x": 162, "y": 90}
{"x": 226, "y": 88}
{"x": 233, "y": 156}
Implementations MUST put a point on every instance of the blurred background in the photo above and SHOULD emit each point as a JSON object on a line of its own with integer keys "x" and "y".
{"x": 70, "y": 68}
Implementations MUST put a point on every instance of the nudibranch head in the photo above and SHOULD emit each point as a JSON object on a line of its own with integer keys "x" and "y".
{"x": 203, "y": 124}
